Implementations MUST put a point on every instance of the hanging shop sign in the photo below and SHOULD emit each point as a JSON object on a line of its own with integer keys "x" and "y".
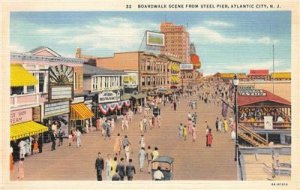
{"x": 20, "y": 116}
{"x": 36, "y": 114}
{"x": 109, "y": 96}
{"x": 57, "y": 108}
{"x": 61, "y": 79}
{"x": 186, "y": 67}
{"x": 252, "y": 92}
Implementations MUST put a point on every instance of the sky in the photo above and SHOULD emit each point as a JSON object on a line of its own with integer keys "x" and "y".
{"x": 225, "y": 41}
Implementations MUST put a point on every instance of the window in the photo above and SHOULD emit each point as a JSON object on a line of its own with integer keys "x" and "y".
{"x": 143, "y": 81}
{"x": 30, "y": 89}
{"x": 17, "y": 90}
{"x": 75, "y": 81}
{"x": 41, "y": 82}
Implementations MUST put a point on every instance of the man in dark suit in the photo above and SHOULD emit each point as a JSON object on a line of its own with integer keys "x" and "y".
{"x": 99, "y": 165}
{"x": 130, "y": 170}
{"x": 121, "y": 169}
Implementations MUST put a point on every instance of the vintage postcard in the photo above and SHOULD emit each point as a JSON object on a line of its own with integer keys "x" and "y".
{"x": 153, "y": 94}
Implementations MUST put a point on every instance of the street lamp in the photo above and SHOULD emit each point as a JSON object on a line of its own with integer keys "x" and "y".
{"x": 235, "y": 82}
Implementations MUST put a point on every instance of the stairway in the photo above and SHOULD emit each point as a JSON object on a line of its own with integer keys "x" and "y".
{"x": 251, "y": 137}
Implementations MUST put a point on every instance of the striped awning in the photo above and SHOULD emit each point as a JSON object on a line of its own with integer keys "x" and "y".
{"x": 175, "y": 79}
{"x": 80, "y": 112}
{"x": 20, "y": 76}
{"x": 26, "y": 129}
{"x": 175, "y": 68}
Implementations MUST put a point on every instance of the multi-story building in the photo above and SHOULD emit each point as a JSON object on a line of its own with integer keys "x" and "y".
{"x": 47, "y": 98}
{"x": 177, "y": 41}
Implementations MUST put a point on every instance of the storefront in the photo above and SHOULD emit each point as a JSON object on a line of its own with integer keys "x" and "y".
{"x": 81, "y": 115}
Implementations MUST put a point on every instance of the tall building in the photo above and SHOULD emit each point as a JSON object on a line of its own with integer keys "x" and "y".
{"x": 177, "y": 41}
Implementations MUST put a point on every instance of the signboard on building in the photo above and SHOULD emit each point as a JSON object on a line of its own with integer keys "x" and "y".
{"x": 78, "y": 100}
{"x": 20, "y": 116}
{"x": 61, "y": 79}
{"x": 57, "y": 108}
{"x": 155, "y": 39}
{"x": 186, "y": 67}
{"x": 108, "y": 96}
{"x": 130, "y": 80}
{"x": 268, "y": 121}
{"x": 64, "y": 121}
{"x": 252, "y": 92}
{"x": 36, "y": 114}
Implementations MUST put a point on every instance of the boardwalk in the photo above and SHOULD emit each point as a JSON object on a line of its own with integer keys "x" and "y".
{"x": 193, "y": 160}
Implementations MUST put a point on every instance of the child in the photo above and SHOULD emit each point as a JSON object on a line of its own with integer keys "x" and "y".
{"x": 35, "y": 146}
{"x": 209, "y": 138}
{"x": 21, "y": 169}
{"x": 184, "y": 132}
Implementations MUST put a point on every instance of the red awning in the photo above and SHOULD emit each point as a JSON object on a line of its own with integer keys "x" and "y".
{"x": 261, "y": 72}
{"x": 248, "y": 100}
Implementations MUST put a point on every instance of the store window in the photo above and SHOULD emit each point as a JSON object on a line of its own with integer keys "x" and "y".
{"x": 41, "y": 82}
{"x": 17, "y": 90}
{"x": 30, "y": 89}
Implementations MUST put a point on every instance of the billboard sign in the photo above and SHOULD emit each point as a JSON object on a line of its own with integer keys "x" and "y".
{"x": 186, "y": 67}
{"x": 109, "y": 96}
{"x": 155, "y": 39}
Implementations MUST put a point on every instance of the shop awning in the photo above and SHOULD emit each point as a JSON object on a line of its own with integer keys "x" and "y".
{"x": 20, "y": 77}
{"x": 139, "y": 96}
{"x": 26, "y": 129}
{"x": 80, "y": 112}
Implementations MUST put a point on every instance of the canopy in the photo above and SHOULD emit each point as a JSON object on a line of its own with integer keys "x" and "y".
{"x": 20, "y": 76}
{"x": 249, "y": 100}
{"x": 165, "y": 159}
{"x": 26, "y": 129}
{"x": 139, "y": 96}
{"x": 80, "y": 112}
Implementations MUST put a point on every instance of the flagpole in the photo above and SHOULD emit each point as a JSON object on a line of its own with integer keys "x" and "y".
{"x": 273, "y": 66}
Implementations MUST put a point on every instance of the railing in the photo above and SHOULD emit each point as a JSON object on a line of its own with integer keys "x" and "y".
{"x": 261, "y": 124}
{"x": 253, "y": 135}
{"x": 27, "y": 99}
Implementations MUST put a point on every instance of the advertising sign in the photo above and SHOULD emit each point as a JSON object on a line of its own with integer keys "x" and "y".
{"x": 155, "y": 39}
{"x": 57, "y": 108}
{"x": 108, "y": 96}
{"x": 20, "y": 116}
{"x": 252, "y": 92}
{"x": 186, "y": 67}
{"x": 61, "y": 79}
{"x": 130, "y": 80}
{"x": 36, "y": 114}
{"x": 64, "y": 121}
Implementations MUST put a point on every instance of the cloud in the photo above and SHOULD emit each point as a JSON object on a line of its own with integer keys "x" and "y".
{"x": 217, "y": 23}
{"x": 208, "y": 35}
{"x": 113, "y": 34}
{"x": 15, "y": 47}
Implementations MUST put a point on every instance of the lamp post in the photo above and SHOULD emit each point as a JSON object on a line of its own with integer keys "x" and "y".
{"x": 235, "y": 82}
{"x": 182, "y": 84}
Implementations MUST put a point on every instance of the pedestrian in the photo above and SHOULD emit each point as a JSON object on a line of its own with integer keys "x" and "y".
{"x": 87, "y": 126}
{"x": 217, "y": 124}
{"x": 125, "y": 141}
{"x": 108, "y": 167}
{"x": 107, "y": 130}
{"x": 99, "y": 166}
{"x": 53, "y": 140}
{"x": 114, "y": 164}
{"x": 130, "y": 170}
{"x": 130, "y": 114}
{"x": 142, "y": 141}
{"x": 174, "y": 104}
{"x": 35, "y": 146}
{"x": 225, "y": 123}
{"x": 145, "y": 124}
{"x": 40, "y": 143}
{"x": 70, "y": 138}
{"x": 155, "y": 154}
{"x": 184, "y": 132}
{"x": 78, "y": 138}
{"x": 220, "y": 125}
{"x": 209, "y": 138}
{"x": 60, "y": 137}
{"x": 158, "y": 175}
{"x": 27, "y": 147}
{"x": 121, "y": 169}
{"x": 21, "y": 169}
{"x": 180, "y": 131}
{"x": 112, "y": 124}
{"x": 142, "y": 158}
{"x": 149, "y": 158}
{"x": 11, "y": 160}
{"x": 190, "y": 125}
{"x": 118, "y": 145}
{"x": 194, "y": 133}
{"x": 22, "y": 148}
{"x": 127, "y": 152}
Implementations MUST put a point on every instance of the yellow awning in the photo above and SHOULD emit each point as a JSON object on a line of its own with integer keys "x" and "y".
{"x": 281, "y": 75}
{"x": 26, "y": 129}
{"x": 80, "y": 112}
{"x": 20, "y": 77}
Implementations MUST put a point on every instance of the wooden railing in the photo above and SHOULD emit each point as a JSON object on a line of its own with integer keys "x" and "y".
{"x": 260, "y": 124}
{"x": 255, "y": 137}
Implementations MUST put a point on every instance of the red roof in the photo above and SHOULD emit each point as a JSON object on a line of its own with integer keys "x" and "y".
{"x": 259, "y": 72}
{"x": 248, "y": 100}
